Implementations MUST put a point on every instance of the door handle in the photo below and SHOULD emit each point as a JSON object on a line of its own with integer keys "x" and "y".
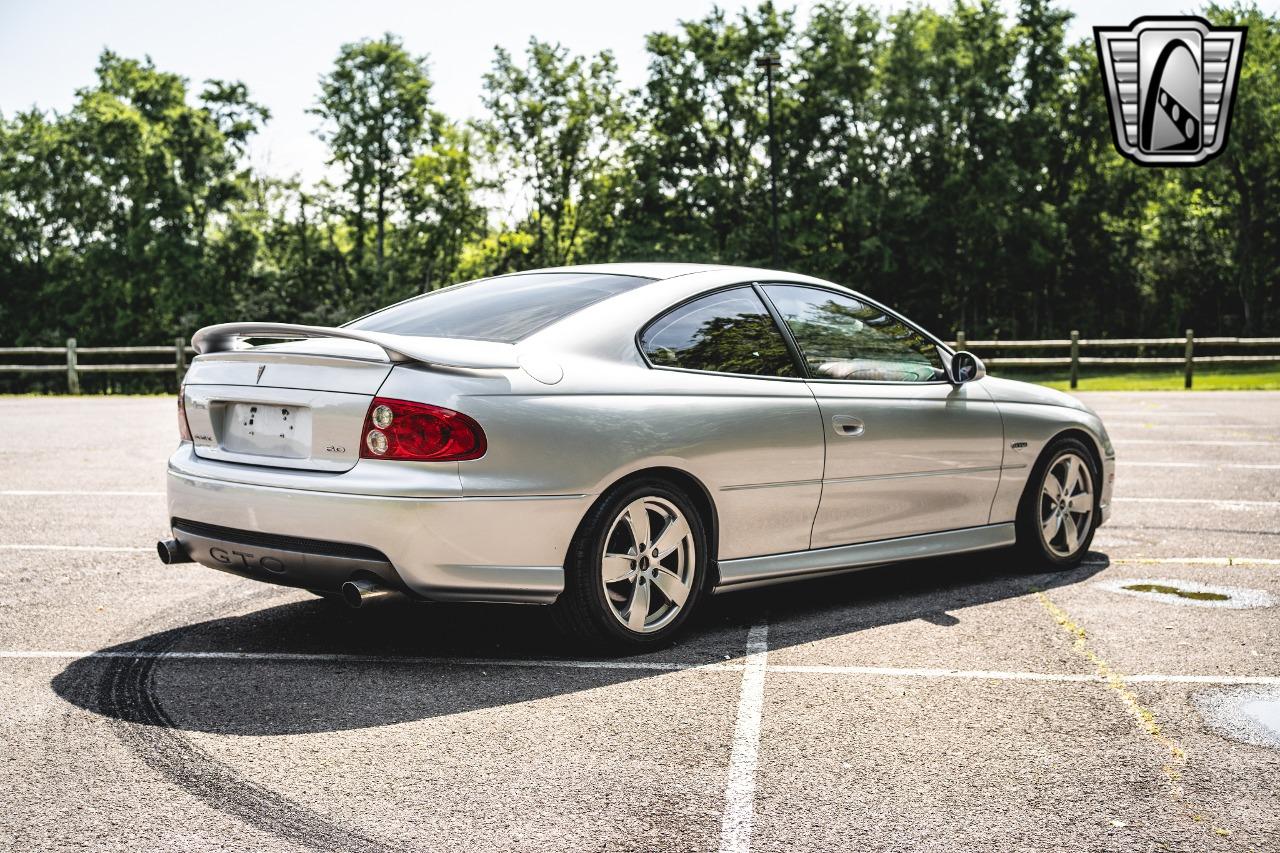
{"x": 848, "y": 425}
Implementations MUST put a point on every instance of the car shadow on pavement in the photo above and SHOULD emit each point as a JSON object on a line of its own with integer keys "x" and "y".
{"x": 406, "y": 662}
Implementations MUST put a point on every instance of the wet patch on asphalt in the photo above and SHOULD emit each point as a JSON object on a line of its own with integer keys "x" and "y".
{"x": 1190, "y": 593}
{"x": 1249, "y": 715}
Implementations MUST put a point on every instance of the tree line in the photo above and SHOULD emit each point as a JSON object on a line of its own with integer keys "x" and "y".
{"x": 956, "y": 164}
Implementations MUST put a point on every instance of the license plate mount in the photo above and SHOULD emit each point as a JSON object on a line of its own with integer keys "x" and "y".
{"x": 267, "y": 429}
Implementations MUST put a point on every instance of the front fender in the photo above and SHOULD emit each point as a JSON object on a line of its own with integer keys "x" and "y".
{"x": 1029, "y": 427}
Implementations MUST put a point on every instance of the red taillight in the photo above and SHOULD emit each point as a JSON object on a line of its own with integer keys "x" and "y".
{"x": 184, "y": 429}
{"x": 398, "y": 429}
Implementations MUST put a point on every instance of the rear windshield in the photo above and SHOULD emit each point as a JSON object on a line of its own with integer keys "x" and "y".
{"x": 502, "y": 309}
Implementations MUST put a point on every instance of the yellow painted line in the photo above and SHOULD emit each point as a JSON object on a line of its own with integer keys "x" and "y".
{"x": 1187, "y": 561}
{"x": 1143, "y": 715}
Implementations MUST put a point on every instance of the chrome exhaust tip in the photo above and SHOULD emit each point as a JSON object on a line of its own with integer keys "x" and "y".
{"x": 171, "y": 551}
{"x": 363, "y": 592}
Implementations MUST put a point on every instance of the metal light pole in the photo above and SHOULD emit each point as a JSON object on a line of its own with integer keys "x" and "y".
{"x": 768, "y": 62}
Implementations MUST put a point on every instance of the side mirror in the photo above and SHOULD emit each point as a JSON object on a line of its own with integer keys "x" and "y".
{"x": 966, "y": 367}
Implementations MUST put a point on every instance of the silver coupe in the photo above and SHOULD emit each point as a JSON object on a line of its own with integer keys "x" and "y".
{"x": 617, "y": 441}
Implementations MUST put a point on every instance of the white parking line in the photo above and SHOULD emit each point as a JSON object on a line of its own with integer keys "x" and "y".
{"x": 750, "y": 699}
{"x": 326, "y": 657}
{"x": 999, "y": 675}
{"x": 1172, "y": 442}
{"x": 102, "y": 548}
{"x": 37, "y": 493}
{"x": 1163, "y": 413}
{"x": 1111, "y": 425}
{"x": 740, "y": 792}
{"x": 1224, "y": 503}
{"x": 1124, "y": 463}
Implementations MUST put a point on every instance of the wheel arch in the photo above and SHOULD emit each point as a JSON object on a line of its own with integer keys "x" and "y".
{"x": 688, "y": 484}
{"x": 1084, "y": 437}
{"x": 1081, "y": 435}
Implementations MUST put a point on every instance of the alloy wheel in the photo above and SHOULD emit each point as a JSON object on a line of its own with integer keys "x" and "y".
{"x": 1066, "y": 505}
{"x": 648, "y": 564}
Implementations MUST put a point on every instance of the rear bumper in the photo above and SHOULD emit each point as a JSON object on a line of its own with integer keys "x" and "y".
{"x": 286, "y": 560}
{"x": 503, "y": 549}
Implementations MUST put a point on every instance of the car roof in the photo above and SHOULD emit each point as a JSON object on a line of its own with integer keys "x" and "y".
{"x": 657, "y": 270}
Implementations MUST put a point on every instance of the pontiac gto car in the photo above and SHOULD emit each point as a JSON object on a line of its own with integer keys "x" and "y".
{"x": 617, "y": 441}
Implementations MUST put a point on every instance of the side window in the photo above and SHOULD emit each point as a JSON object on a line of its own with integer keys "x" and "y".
{"x": 843, "y": 338}
{"x": 726, "y": 332}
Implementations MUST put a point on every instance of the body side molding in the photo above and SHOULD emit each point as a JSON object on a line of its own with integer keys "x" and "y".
{"x": 748, "y": 572}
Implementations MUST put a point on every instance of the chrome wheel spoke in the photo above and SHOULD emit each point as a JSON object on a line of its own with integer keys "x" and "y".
{"x": 638, "y": 609}
{"x": 1081, "y": 502}
{"x": 1049, "y": 529}
{"x": 1052, "y": 488}
{"x": 617, "y": 567}
{"x": 1071, "y": 478}
{"x": 1071, "y": 531}
{"x": 671, "y": 586}
{"x": 671, "y": 537}
{"x": 637, "y": 516}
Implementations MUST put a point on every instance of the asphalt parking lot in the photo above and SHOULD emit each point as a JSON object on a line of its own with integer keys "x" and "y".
{"x": 954, "y": 704}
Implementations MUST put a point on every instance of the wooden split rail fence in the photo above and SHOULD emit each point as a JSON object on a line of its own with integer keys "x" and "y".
{"x": 71, "y": 353}
{"x": 1073, "y": 360}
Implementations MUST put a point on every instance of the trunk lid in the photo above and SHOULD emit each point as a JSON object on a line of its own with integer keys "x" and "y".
{"x": 296, "y": 405}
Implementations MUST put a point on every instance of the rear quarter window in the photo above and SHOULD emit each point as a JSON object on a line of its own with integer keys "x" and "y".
{"x": 729, "y": 331}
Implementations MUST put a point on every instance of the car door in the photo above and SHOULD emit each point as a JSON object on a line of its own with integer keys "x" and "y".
{"x": 747, "y": 419}
{"x": 907, "y": 451}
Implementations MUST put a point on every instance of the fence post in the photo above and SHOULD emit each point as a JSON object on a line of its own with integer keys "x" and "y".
{"x": 960, "y": 341}
{"x": 180, "y": 358}
{"x": 1075, "y": 358}
{"x": 1186, "y": 381}
{"x": 73, "y": 378}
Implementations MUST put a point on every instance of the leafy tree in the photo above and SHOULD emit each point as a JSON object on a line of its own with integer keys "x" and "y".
{"x": 374, "y": 105}
{"x": 698, "y": 156}
{"x": 1234, "y": 206}
{"x": 109, "y": 211}
{"x": 442, "y": 212}
{"x": 557, "y": 125}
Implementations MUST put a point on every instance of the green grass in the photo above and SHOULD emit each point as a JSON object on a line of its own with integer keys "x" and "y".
{"x": 1235, "y": 378}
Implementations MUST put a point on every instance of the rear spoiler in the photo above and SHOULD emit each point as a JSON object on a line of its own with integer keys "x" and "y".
{"x": 444, "y": 352}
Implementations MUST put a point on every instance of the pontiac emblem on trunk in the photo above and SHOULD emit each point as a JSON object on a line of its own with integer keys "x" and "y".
{"x": 1171, "y": 83}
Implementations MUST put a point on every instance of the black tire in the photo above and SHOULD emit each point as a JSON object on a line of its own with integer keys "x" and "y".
{"x": 1033, "y": 554}
{"x": 582, "y": 610}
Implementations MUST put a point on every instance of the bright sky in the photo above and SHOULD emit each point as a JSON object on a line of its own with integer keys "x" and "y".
{"x": 49, "y": 48}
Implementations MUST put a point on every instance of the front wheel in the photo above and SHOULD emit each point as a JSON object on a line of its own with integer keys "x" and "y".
{"x": 1059, "y": 510}
{"x": 635, "y": 569}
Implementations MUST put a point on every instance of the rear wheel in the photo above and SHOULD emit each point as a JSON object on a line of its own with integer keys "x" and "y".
{"x": 635, "y": 569}
{"x": 1059, "y": 509}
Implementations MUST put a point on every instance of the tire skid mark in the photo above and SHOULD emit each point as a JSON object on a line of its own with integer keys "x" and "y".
{"x": 126, "y": 694}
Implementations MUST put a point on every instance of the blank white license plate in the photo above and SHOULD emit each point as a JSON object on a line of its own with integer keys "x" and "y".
{"x": 267, "y": 429}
